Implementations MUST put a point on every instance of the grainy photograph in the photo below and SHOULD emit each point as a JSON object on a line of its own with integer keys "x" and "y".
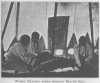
{"x": 49, "y": 39}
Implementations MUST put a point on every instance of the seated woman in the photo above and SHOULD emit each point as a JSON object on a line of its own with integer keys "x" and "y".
{"x": 18, "y": 57}
{"x": 83, "y": 56}
{"x": 36, "y": 45}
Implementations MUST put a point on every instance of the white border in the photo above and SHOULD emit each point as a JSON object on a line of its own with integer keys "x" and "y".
{"x": 85, "y": 80}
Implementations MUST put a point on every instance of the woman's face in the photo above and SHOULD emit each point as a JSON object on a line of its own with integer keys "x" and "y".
{"x": 82, "y": 43}
{"x": 26, "y": 43}
{"x": 35, "y": 39}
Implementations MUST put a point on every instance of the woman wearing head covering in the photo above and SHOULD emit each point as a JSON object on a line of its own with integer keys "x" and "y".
{"x": 18, "y": 56}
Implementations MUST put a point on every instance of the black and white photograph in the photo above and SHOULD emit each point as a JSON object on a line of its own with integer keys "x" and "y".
{"x": 49, "y": 39}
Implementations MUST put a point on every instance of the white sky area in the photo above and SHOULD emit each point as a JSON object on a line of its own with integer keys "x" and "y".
{"x": 34, "y": 16}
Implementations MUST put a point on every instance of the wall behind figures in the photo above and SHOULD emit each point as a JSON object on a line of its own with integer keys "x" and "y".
{"x": 34, "y": 16}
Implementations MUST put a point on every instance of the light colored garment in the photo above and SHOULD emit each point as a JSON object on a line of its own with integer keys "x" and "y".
{"x": 88, "y": 54}
{"x": 17, "y": 57}
{"x": 19, "y": 51}
{"x": 35, "y": 48}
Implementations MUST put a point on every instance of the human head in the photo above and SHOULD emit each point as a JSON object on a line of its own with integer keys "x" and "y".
{"x": 24, "y": 39}
{"x": 82, "y": 40}
{"x": 35, "y": 36}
